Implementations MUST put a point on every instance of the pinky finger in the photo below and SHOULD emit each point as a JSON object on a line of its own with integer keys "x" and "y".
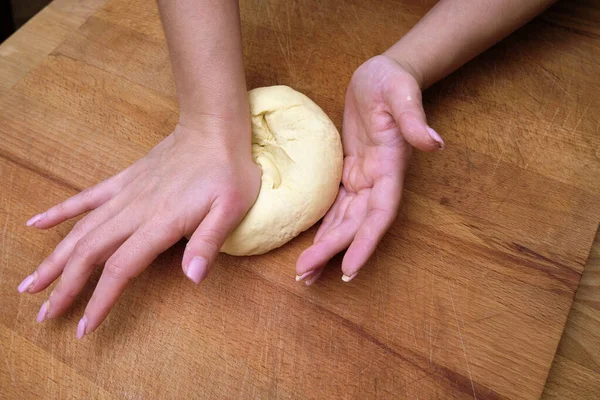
{"x": 334, "y": 214}
{"x": 317, "y": 255}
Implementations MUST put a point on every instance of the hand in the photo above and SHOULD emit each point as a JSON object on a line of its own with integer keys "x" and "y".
{"x": 383, "y": 117}
{"x": 200, "y": 182}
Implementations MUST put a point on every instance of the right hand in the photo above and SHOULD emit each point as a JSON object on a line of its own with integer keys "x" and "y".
{"x": 383, "y": 119}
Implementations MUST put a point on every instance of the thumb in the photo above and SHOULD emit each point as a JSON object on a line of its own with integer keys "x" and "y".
{"x": 407, "y": 111}
{"x": 205, "y": 243}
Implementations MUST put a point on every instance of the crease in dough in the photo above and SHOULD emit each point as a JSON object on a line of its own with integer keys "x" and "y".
{"x": 300, "y": 153}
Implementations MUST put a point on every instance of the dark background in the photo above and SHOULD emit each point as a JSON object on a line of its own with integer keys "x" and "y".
{"x": 14, "y": 13}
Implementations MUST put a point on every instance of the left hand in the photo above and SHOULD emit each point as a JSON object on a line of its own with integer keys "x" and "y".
{"x": 383, "y": 117}
{"x": 198, "y": 182}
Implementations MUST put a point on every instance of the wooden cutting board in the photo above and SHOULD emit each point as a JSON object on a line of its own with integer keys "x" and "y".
{"x": 468, "y": 293}
{"x": 575, "y": 372}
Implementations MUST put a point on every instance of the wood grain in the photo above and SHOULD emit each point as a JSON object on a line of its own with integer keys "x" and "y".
{"x": 27, "y": 47}
{"x": 575, "y": 372}
{"x": 467, "y": 295}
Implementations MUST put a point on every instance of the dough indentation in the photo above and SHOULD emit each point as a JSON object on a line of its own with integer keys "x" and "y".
{"x": 300, "y": 153}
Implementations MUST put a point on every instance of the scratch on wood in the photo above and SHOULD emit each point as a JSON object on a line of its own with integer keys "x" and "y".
{"x": 467, "y": 155}
{"x": 287, "y": 12}
{"x": 414, "y": 332}
{"x": 582, "y": 116}
{"x": 539, "y": 143}
{"x": 414, "y": 381}
{"x": 4, "y": 264}
{"x": 371, "y": 364}
{"x": 275, "y": 377}
{"x": 5, "y": 227}
{"x": 462, "y": 342}
{"x": 430, "y": 319}
{"x": 381, "y": 293}
{"x": 494, "y": 75}
{"x": 531, "y": 159}
{"x": 358, "y": 40}
{"x": 498, "y": 160}
{"x": 554, "y": 80}
{"x": 330, "y": 340}
{"x": 396, "y": 330}
{"x": 7, "y": 358}
{"x": 244, "y": 382}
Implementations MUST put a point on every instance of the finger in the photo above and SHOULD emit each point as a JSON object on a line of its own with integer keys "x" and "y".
{"x": 407, "y": 110}
{"x": 333, "y": 216}
{"x": 205, "y": 243}
{"x": 53, "y": 265}
{"x": 91, "y": 250}
{"x": 89, "y": 199}
{"x": 133, "y": 257}
{"x": 314, "y": 277}
{"x": 338, "y": 198}
{"x": 382, "y": 211}
{"x": 340, "y": 213}
{"x": 334, "y": 241}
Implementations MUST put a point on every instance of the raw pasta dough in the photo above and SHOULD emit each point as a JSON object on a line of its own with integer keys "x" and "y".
{"x": 300, "y": 153}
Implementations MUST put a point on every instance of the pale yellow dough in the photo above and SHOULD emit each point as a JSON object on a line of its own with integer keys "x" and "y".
{"x": 300, "y": 153}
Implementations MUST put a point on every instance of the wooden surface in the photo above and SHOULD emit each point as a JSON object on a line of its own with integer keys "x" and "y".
{"x": 575, "y": 373}
{"x": 467, "y": 295}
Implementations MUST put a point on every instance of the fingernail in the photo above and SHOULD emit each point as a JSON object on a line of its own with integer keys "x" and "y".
{"x": 435, "y": 136}
{"x": 43, "y": 311}
{"x": 313, "y": 278}
{"x": 303, "y": 276}
{"x": 196, "y": 269}
{"x": 34, "y": 220}
{"x": 81, "y": 327}
{"x": 347, "y": 278}
{"x": 27, "y": 283}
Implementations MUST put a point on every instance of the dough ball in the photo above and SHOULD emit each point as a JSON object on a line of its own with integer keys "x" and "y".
{"x": 300, "y": 153}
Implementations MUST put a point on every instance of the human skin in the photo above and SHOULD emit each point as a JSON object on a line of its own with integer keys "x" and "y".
{"x": 201, "y": 180}
{"x": 384, "y": 119}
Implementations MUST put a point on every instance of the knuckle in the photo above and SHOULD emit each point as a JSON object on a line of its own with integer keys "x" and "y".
{"x": 151, "y": 179}
{"x": 234, "y": 201}
{"x": 60, "y": 208}
{"x": 63, "y": 290}
{"x": 84, "y": 248}
{"x": 368, "y": 240}
{"x": 52, "y": 259}
{"x": 86, "y": 196}
{"x": 116, "y": 270}
{"x": 210, "y": 239}
{"x": 170, "y": 224}
{"x": 80, "y": 228}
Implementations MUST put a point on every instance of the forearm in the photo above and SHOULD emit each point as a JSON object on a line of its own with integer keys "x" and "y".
{"x": 205, "y": 45}
{"x": 455, "y": 31}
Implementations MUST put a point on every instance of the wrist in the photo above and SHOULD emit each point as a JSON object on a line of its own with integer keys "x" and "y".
{"x": 224, "y": 103}
{"x": 227, "y": 106}
{"x": 218, "y": 121}
{"x": 401, "y": 57}
{"x": 230, "y": 132}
